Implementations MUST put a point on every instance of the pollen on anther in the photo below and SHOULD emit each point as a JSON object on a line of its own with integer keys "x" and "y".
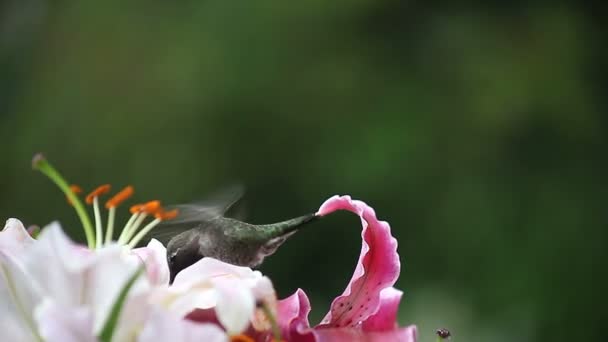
{"x": 136, "y": 208}
{"x": 166, "y": 215}
{"x": 100, "y": 190}
{"x": 151, "y": 207}
{"x": 120, "y": 197}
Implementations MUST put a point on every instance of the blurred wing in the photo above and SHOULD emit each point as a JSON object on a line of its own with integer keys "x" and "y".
{"x": 214, "y": 206}
{"x": 192, "y": 214}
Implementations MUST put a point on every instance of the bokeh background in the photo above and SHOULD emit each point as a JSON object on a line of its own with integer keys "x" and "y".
{"x": 478, "y": 130}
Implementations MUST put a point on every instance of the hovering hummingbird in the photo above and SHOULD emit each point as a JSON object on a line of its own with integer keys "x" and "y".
{"x": 202, "y": 230}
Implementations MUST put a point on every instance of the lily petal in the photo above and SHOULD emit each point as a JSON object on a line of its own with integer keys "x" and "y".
{"x": 235, "y": 306}
{"x": 60, "y": 324}
{"x": 210, "y": 283}
{"x": 154, "y": 256}
{"x": 14, "y": 238}
{"x": 165, "y": 327}
{"x": 407, "y": 334}
{"x": 378, "y": 266}
{"x": 293, "y": 317}
{"x": 18, "y": 298}
{"x": 386, "y": 316}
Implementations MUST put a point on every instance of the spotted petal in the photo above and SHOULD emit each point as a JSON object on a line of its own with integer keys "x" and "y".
{"x": 386, "y": 316}
{"x": 378, "y": 266}
{"x": 407, "y": 334}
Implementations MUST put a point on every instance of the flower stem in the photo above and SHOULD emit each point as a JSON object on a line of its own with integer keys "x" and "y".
{"x": 41, "y": 164}
{"x": 273, "y": 322}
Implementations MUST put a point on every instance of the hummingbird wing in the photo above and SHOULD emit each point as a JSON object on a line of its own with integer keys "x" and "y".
{"x": 213, "y": 206}
{"x": 193, "y": 214}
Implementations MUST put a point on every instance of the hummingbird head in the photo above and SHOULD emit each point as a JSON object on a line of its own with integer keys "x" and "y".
{"x": 182, "y": 251}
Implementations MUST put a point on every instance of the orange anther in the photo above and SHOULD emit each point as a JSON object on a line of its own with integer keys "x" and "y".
{"x": 100, "y": 190}
{"x": 241, "y": 338}
{"x": 120, "y": 197}
{"x": 136, "y": 208}
{"x": 151, "y": 207}
{"x": 166, "y": 215}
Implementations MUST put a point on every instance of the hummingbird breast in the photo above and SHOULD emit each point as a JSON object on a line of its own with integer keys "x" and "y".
{"x": 232, "y": 241}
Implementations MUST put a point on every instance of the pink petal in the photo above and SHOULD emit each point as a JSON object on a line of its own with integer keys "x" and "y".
{"x": 378, "y": 266}
{"x": 292, "y": 314}
{"x": 154, "y": 257}
{"x": 407, "y": 334}
{"x": 386, "y": 317}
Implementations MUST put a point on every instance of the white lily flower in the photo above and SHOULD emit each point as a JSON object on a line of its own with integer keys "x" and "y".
{"x": 54, "y": 275}
{"x": 56, "y": 290}
{"x": 232, "y": 290}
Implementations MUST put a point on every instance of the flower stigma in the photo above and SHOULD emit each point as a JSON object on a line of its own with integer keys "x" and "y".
{"x": 130, "y": 235}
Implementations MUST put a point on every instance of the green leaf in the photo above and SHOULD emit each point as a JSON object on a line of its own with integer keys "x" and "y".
{"x": 110, "y": 325}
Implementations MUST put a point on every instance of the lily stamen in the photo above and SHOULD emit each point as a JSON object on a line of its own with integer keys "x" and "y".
{"x": 135, "y": 211}
{"x": 148, "y": 208}
{"x": 92, "y": 198}
{"x": 159, "y": 216}
{"x": 95, "y": 237}
{"x": 111, "y": 205}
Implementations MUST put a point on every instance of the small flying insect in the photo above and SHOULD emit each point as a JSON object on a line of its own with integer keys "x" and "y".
{"x": 201, "y": 230}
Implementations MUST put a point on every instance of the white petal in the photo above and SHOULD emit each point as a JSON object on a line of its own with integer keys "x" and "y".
{"x": 154, "y": 256}
{"x": 165, "y": 327}
{"x": 18, "y": 297}
{"x": 133, "y": 315}
{"x": 212, "y": 268}
{"x": 54, "y": 263}
{"x": 14, "y": 238}
{"x": 60, "y": 324}
{"x": 106, "y": 279}
{"x": 202, "y": 296}
{"x": 235, "y": 306}
{"x": 14, "y": 330}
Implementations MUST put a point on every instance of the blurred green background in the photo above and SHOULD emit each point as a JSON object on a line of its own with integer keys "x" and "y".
{"x": 478, "y": 130}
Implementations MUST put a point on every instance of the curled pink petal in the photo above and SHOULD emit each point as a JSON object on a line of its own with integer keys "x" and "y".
{"x": 378, "y": 266}
{"x": 407, "y": 334}
{"x": 386, "y": 316}
{"x": 154, "y": 257}
{"x": 292, "y": 313}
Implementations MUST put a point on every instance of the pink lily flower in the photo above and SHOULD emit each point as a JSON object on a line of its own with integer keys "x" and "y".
{"x": 367, "y": 309}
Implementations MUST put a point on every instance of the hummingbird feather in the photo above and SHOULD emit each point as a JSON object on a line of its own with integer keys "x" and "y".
{"x": 216, "y": 205}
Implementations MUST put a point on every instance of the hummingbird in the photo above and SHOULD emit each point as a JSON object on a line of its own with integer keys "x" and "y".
{"x": 202, "y": 230}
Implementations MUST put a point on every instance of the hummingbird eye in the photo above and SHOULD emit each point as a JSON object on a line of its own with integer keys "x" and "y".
{"x": 172, "y": 257}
